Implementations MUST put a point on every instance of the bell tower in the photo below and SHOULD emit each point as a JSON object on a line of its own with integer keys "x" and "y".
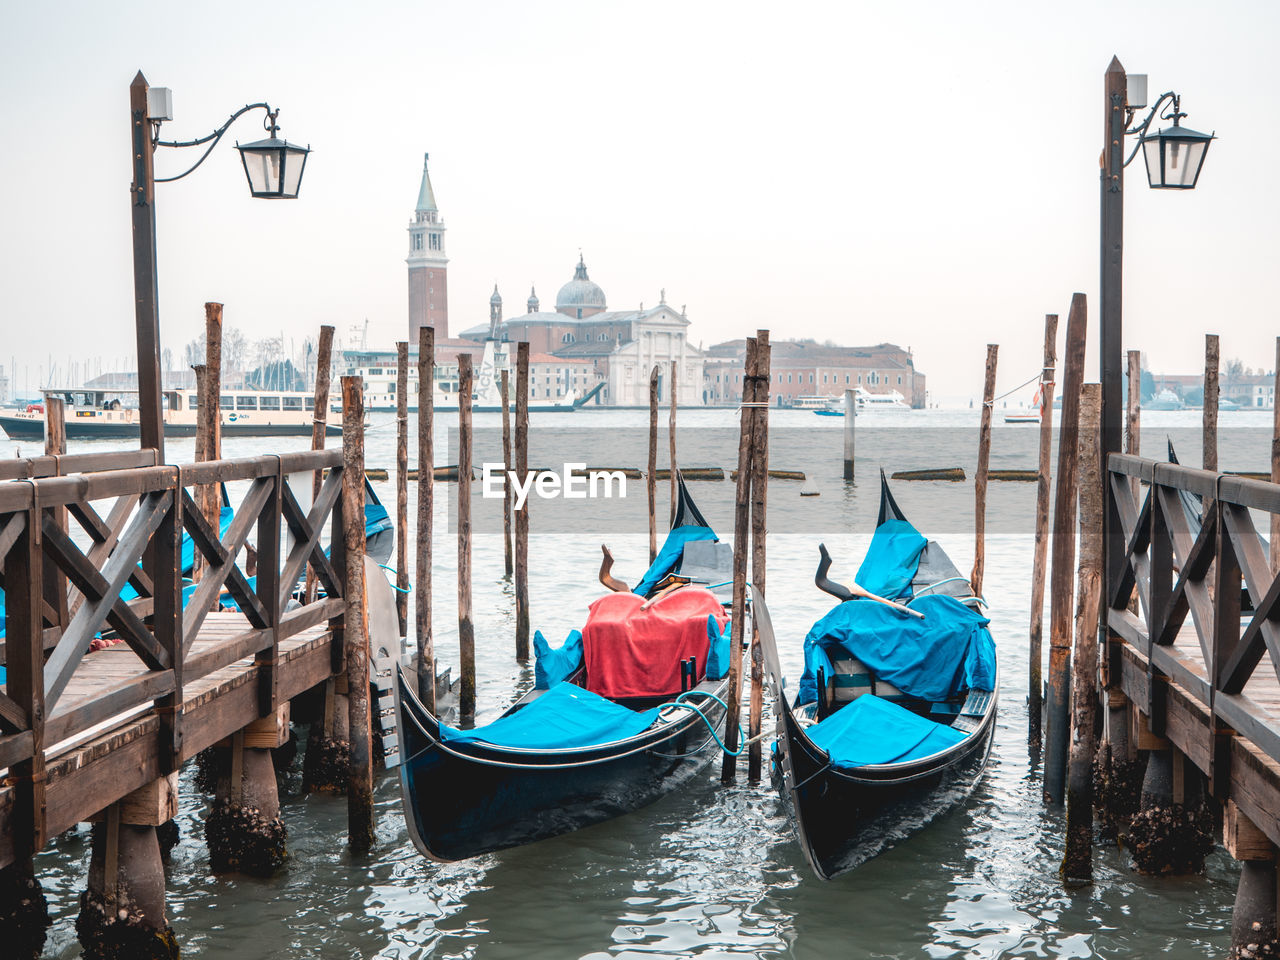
{"x": 428, "y": 285}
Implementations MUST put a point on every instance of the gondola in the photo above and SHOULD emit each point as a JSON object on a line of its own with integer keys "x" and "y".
{"x": 628, "y": 709}
{"x": 893, "y": 721}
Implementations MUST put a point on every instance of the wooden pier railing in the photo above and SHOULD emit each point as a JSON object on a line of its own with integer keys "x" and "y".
{"x": 91, "y": 546}
{"x": 1200, "y": 657}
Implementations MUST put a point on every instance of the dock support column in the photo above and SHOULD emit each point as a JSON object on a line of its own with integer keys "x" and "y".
{"x": 244, "y": 831}
{"x": 1253, "y": 920}
{"x": 122, "y": 914}
{"x": 1117, "y": 772}
{"x": 1173, "y": 831}
{"x": 24, "y": 912}
{"x": 324, "y": 765}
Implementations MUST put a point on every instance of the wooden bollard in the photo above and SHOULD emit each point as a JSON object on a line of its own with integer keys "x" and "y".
{"x": 1064, "y": 555}
{"x": 356, "y": 622}
{"x": 319, "y": 421}
{"x": 506, "y": 467}
{"x": 980, "y": 477}
{"x": 402, "y": 486}
{"x": 1077, "y": 860}
{"x": 1133, "y": 405}
{"x": 210, "y": 496}
{"x": 1211, "y": 354}
{"x": 1035, "y": 679}
{"x": 201, "y": 454}
{"x": 55, "y": 445}
{"x": 466, "y": 626}
{"x": 426, "y": 661}
{"x": 741, "y": 531}
{"x": 651, "y": 475}
{"x": 850, "y": 422}
{"x": 759, "y": 529}
{"x": 522, "y": 515}
{"x": 671, "y": 439}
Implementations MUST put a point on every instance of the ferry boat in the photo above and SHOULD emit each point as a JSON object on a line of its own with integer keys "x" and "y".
{"x": 96, "y": 413}
{"x": 486, "y": 396}
{"x": 828, "y": 406}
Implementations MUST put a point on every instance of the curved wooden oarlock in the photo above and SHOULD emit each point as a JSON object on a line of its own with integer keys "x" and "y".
{"x": 610, "y": 581}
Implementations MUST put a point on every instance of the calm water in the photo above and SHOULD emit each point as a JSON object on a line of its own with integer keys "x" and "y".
{"x": 710, "y": 871}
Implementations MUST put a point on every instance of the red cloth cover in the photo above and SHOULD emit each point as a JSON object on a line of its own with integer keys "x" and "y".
{"x": 635, "y": 653}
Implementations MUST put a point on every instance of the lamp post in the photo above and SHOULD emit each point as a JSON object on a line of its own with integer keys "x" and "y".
{"x": 1174, "y": 157}
{"x": 274, "y": 170}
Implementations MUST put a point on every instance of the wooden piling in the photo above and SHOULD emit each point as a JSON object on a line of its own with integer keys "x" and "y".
{"x": 1035, "y": 679}
{"x": 1133, "y": 407}
{"x": 651, "y": 475}
{"x": 356, "y": 622}
{"x": 1064, "y": 554}
{"x": 850, "y": 422}
{"x": 759, "y": 531}
{"x": 1210, "y": 402}
{"x": 741, "y": 530}
{"x": 402, "y": 486}
{"x": 319, "y": 420}
{"x": 209, "y": 496}
{"x": 55, "y": 445}
{"x": 1275, "y": 459}
{"x": 1077, "y": 860}
{"x": 506, "y": 469}
{"x": 522, "y": 515}
{"x": 426, "y": 661}
{"x": 671, "y": 440}
{"x": 466, "y": 627}
{"x": 980, "y": 476}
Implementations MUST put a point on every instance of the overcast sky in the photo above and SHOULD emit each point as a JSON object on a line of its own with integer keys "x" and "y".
{"x": 924, "y": 173}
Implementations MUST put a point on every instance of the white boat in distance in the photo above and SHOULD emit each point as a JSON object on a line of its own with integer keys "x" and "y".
{"x": 99, "y": 413}
{"x": 833, "y": 406}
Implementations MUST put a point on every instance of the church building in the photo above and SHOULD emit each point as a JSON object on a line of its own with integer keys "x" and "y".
{"x": 428, "y": 286}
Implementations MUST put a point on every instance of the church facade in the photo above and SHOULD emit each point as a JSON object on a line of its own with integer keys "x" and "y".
{"x": 620, "y": 346}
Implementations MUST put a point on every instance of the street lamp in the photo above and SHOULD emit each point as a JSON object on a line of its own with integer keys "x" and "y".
{"x": 273, "y": 168}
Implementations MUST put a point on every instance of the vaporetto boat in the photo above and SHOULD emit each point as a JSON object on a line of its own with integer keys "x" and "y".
{"x": 93, "y": 413}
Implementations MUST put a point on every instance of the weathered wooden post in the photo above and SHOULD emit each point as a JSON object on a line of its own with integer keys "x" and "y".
{"x": 122, "y": 913}
{"x": 1035, "y": 679}
{"x": 25, "y": 910}
{"x": 319, "y": 422}
{"x": 402, "y": 485}
{"x": 244, "y": 831}
{"x": 1210, "y": 402}
{"x": 210, "y": 416}
{"x": 671, "y": 438}
{"x": 651, "y": 475}
{"x": 980, "y": 477}
{"x": 466, "y": 628}
{"x": 741, "y": 531}
{"x": 426, "y": 662}
{"x": 356, "y": 625}
{"x": 850, "y": 422}
{"x": 1275, "y": 459}
{"x": 506, "y": 471}
{"x": 1133, "y": 409}
{"x": 522, "y": 515}
{"x": 1064, "y": 555}
{"x": 1077, "y": 860}
{"x": 201, "y": 453}
{"x": 55, "y": 445}
{"x": 759, "y": 531}
{"x": 1254, "y": 930}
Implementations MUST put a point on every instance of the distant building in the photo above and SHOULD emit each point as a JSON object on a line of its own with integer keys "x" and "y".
{"x": 428, "y": 283}
{"x": 804, "y": 368}
{"x": 4, "y": 386}
{"x": 619, "y": 347}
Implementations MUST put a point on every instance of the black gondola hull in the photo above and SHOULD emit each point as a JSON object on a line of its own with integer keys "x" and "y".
{"x": 465, "y": 800}
{"x": 842, "y": 820}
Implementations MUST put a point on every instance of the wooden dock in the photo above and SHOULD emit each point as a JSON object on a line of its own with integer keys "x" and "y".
{"x": 118, "y": 668}
{"x": 1202, "y": 676}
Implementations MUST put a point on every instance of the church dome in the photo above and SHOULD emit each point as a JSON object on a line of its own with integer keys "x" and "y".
{"x": 580, "y": 294}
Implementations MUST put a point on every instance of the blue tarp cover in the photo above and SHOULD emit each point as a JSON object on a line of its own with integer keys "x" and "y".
{"x": 717, "y": 649}
{"x": 890, "y": 564}
{"x": 564, "y": 717}
{"x": 376, "y": 519}
{"x": 551, "y": 666}
{"x": 936, "y": 658}
{"x": 189, "y": 548}
{"x": 670, "y": 554}
{"x": 873, "y": 730}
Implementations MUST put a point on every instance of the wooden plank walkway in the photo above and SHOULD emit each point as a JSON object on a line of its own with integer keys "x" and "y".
{"x": 99, "y": 766}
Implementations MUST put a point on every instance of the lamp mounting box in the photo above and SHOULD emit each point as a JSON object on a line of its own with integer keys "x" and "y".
{"x": 159, "y": 103}
{"x": 1136, "y": 91}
